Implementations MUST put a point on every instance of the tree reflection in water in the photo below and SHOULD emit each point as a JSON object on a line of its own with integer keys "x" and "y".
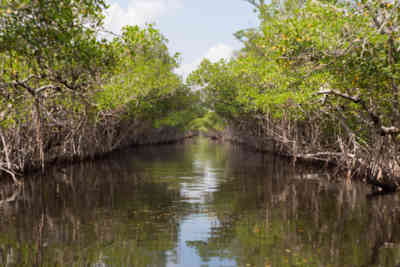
{"x": 133, "y": 208}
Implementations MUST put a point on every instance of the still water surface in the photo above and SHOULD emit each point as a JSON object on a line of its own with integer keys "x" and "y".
{"x": 196, "y": 204}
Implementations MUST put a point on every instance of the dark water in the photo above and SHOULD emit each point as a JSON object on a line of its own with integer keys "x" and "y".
{"x": 195, "y": 204}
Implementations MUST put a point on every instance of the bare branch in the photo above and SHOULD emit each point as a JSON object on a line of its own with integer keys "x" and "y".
{"x": 345, "y": 11}
{"x": 13, "y": 197}
{"x": 389, "y": 130}
{"x": 355, "y": 99}
{"x": 43, "y": 88}
{"x": 11, "y": 173}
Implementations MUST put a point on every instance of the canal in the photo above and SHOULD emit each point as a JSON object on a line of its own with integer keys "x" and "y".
{"x": 197, "y": 203}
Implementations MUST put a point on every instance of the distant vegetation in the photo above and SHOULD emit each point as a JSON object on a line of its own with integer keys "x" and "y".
{"x": 319, "y": 80}
{"x": 66, "y": 94}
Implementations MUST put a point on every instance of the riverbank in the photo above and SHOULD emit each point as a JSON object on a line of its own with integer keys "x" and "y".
{"x": 79, "y": 97}
{"x": 315, "y": 81}
{"x": 360, "y": 170}
{"x": 85, "y": 142}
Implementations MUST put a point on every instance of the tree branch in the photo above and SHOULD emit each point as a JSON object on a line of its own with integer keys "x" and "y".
{"x": 355, "y": 99}
{"x": 43, "y": 88}
{"x": 389, "y": 130}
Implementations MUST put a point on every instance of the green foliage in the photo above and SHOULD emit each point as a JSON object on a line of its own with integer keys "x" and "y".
{"x": 56, "y": 44}
{"x": 144, "y": 83}
{"x": 56, "y": 39}
{"x": 312, "y": 59}
{"x": 210, "y": 121}
{"x": 57, "y": 79}
{"x": 144, "y": 69}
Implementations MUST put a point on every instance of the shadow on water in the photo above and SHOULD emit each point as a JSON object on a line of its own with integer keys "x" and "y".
{"x": 195, "y": 204}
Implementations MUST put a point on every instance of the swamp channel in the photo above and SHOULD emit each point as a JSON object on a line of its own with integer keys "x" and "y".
{"x": 196, "y": 203}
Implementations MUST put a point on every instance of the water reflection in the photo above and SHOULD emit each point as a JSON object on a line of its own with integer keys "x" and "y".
{"x": 195, "y": 204}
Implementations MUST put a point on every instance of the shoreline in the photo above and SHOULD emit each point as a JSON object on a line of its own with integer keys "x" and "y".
{"x": 386, "y": 185}
{"x": 61, "y": 161}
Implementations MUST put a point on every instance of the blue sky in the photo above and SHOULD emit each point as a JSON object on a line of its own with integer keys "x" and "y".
{"x": 196, "y": 28}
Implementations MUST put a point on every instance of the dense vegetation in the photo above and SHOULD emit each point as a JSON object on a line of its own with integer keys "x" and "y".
{"x": 66, "y": 94}
{"x": 316, "y": 80}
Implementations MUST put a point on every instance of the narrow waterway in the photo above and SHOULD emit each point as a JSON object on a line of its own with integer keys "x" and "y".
{"x": 196, "y": 204}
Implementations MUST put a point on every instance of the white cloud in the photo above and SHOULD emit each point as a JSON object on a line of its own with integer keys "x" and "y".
{"x": 215, "y": 53}
{"x": 138, "y": 12}
{"x": 219, "y": 51}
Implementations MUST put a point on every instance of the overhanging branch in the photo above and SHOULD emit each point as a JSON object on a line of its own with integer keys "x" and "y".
{"x": 355, "y": 99}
